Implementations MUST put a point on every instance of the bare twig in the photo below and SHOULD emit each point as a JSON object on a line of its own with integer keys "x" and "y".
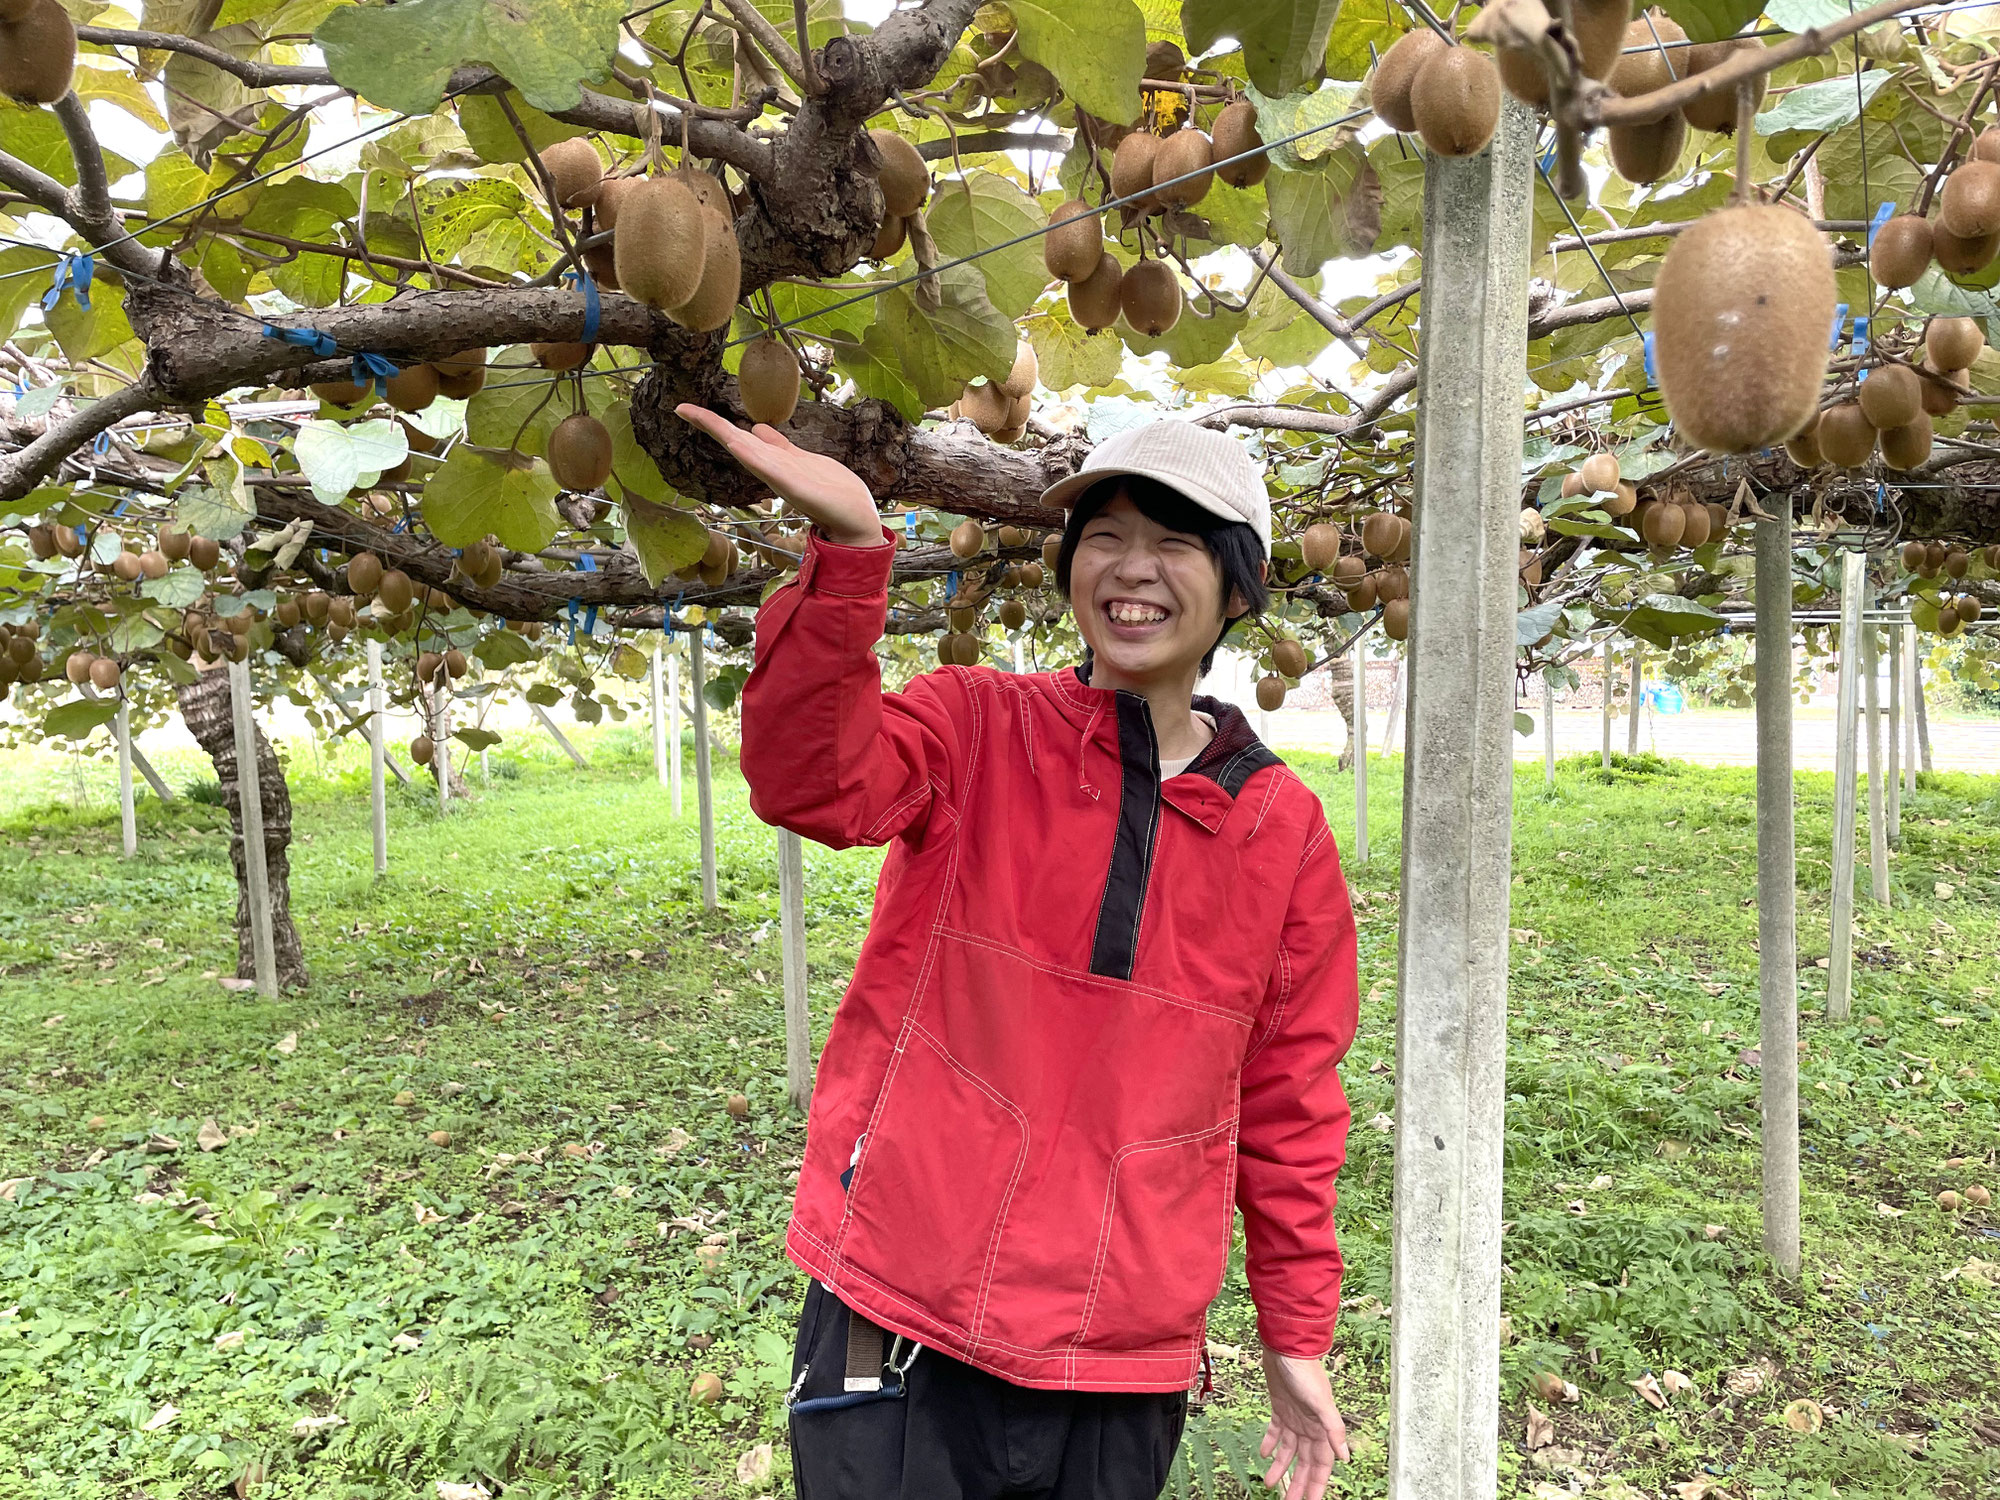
{"x": 22, "y": 470}
{"x": 808, "y": 73}
{"x": 758, "y": 27}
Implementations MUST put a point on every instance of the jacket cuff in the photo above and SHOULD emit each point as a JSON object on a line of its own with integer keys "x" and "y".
{"x": 1300, "y": 1338}
{"x": 830, "y": 567}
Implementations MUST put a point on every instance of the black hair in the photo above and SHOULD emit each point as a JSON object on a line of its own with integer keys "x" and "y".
{"x": 1238, "y": 554}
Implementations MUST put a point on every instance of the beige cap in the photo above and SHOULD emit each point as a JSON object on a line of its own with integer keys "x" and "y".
{"x": 1210, "y": 468}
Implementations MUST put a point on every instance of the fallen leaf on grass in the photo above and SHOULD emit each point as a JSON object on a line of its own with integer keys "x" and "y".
{"x": 230, "y": 1340}
{"x": 1541, "y": 1431}
{"x": 1383, "y": 1122}
{"x": 754, "y": 1467}
{"x": 211, "y": 1136}
{"x": 1649, "y": 1390}
{"x": 1889, "y": 1211}
{"x": 1699, "y": 1488}
{"x": 453, "y": 1489}
{"x": 1804, "y": 1416}
{"x": 1673, "y": 1382}
{"x": 231, "y": 982}
{"x": 54, "y": 1020}
{"x": 160, "y": 1144}
{"x": 1747, "y": 1381}
{"x": 160, "y": 1418}
{"x": 425, "y": 1214}
{"x": 12, "y": 1186}
{"x": 307, "y": 1426}
{"x": 288, "y": 1043}
{"x": 1975, "y": 1272}
{"x": 1944, "y": 890}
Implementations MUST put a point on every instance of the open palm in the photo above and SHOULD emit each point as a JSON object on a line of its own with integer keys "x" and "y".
{"x": 1306, "y": 1434}
{"x": 823, "y": 490}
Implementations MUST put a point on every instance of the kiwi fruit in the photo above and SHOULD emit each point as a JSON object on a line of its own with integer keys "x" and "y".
{"x": 767, "y": 382}
{"x": 1913, "y": 556}
{"x": 1233, "y": 133}
{"x": 1890, "y": 397}
{"x": 1934, "y": 555}
{"x": 1969, "y": 206}
{"x": 1941, "y": 389}
{"x": 968, "y": 538}
{"x": 125, "y": 567}
{"x": 1962, "y": 257}
{"x": 1132, "y": 166}
{"x": 1956, "y": 562}
{"x": 1646, "y": 153}
{"x": 1013, "y": 614}
{"x": 1986, "y": 147}
{"x": 1599, "y": 472}
{"x": 395, "y": 592}
{"x": 1396, "y": 75}
{"x": 1909, "y": 445}
{"x": 1150, "y": 297}
{"x": 889, "y": 236}
{"x": 1846, "y": 436}
{"x": 1741, "y": 306}
{"x": 1094, "y": 301}
{"x": 707, "y": 189}
{"x": 986, "y": 406}
{"x": 1901, "y": 251}
{"x": 364, "y": 573}
{"x": 1696, "y": 528}
{"x": 1289, "y": 657}
{"x": 1051, "y": 550}
{"x": 203, "y": 551}
{"x": 1027, "y": 370}
{"x": 660, "y": 245}
{"x": 1953, "y": 343}
{"x": 1363, "y": 595}
{"x": 1717, "y": 111}
{"x": 1379, "y": 533}
{"x": 574, "y": 169}
{"x": 1646, "y": 64}
{"x": 1969, "y": 609}
{"x": 1456, "y": 101}
{"x": 1349, "y": 570}
{"x": 1017, "y": 416}
{"x": 68, "y": 543}
{"x": 104, "y": 674}
{"x": 340, "y": 392}
{"x": 1070, "y": 250}
{"x": 455, "y": 665}
{"x": 413, "y": 387}
{"x": 462, "y": 363}
{"x": 1183, "y": 152}
{"x": 714, "y": 301}
{"x": 580, "y": 452}
{"x": 1392, "y": 583}
{"x": 1600, "y": 27}
{"x": 561, "y": 357}
{"x": 608, "y": 199}
{"x": 1396, "y": 619}
{"x": 1803, "y": 448}
{"x": 1662, "y": 523}
{"x": 1271, "y": 693}
{"x": 37, "y": 53}
{"x": 77, "y": 667}
{"x": 288, "y": 613}
{"x": 1320, "y": 546}
{"x": 430, "y": 666}
{"x": 421, "y": 749}
{"x": 905, "y": 179}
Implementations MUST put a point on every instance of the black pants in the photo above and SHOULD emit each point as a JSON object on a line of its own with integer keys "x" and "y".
{"x": 960, "y": 1434}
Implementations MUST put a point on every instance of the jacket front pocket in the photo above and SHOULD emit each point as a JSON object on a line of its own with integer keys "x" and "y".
{"x": 928, "y": 1206}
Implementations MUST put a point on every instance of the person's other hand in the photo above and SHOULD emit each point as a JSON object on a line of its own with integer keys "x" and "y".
{"x": 1306, "y": 1433}
{"x": 823, "y": 490}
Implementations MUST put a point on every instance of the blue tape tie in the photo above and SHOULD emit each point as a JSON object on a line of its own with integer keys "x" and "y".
{"x": 402, "y": 524}
{"x": 1860, "y": 344}
{"x": 572, "y": 622}
{"x": 1651, "y": 377}
{"x": 372, "y": 371}
{"x": 586, "y": 563}
{"x": 590, "y": 620}
{"x": 75, "y": 272}
{"x": 321, "y": 344}
{"x": 101, "y": 445}
{"x": 578, "y": 277}
{"x": 1882, "y": 216}
{"x": 951, "y": 583}
{"x": 1839, "y": 321}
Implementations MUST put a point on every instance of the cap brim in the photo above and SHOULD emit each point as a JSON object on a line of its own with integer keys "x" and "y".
{"x": 1064, "y": 493}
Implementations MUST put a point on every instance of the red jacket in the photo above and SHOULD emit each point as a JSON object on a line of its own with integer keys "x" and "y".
{"x": 1093, "y": 1015}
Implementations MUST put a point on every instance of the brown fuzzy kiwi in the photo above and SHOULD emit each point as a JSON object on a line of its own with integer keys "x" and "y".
{"x": 707, "y": 189}
{"x": 1094, "y": 301}
{"x": 561, "y": 357}
{"x": 1934, "y": 555}
{"x": 1662, "y": 523}
{"x": 125, "y": 567}
{"x": 1987, "y": 146}
{"x": 714, "y": 301}
{"x": 1901, "y": 251}
{"x": 153, "y": 564}
{"x": 1183, "y": 152}
{"x": 1289, "y": 657}
{"x": 661, "y": 243}
{"x": 1599, "y": 472}
{"x": 1011, "y": 433}
{"x": 1018, "y": 415}
{"x": 1695, "y": 524}
{"x": 1741, "y": 306}
{"x": 104, "y": 674}
{"x": 1320, "y": 546}
{"x": 580, "y": 452}
{"x": 1600, "y": 37}
{"x": 1962, "y": 257}
{"x": 1803, "y": 448}
{"x": 1969, "y": 206}
{"x": 422, "y": 749}
{"x": 1953, "y": 343}
{"x": 364, "y": 573}
{"x": 1646, "y": 153}
{"x": 1150, "y": 297}
{"x": 462, "y": 387}
{"x": 38, "y": 54}
{"x": 413, "y": 387}
{"x": 1132, "y": 166}
{"x": 1271, "y": 693}
{"x": 1363, "y": 595}
{"x": 455, "y": 664}
{"x": 1233, "y": 133}
{"x": 1456, "y": 101}
{"x": 1969, "y": 610}
{"x": 1913, "y": 556}
{"x": 1846, "y": 436}
{"x": 986, "y": 406}
{"x": 174, "y": 543}
{"x": 609, "y": 199}
{"x": 1027, "y": 370}
{"x": 340, "y": 392}
{"x": 395, "y": 592}
{"x": 889, "y": 236}
{"x": 905, "y": 179}
{"x": 203, "y": 551}
{"x": 1070, "y": 250}
{"x": 1379, "y": 533}
{"x": 1942, "y": 389}
{"x": 767, "y": 382}
{"x": 1907, "y": 446}
{"x": 77, "y": 666}
{"x": 1956, "y": 561}
{"x": 462, "y": 363}
{"x": 1396, "y": 74}
{"x": 1013, "y": 614}
{"x": 14, "y": 10}
{"x": 575, "y": 169}
{"x": 1717, "y": 111}
{"x": 968, "y": 538}
{"x": 1623, "y": 501}
{"x": 1890, "y": 396}
{"x": 1396, "y": 619}
{"x": 1645, "y": 63}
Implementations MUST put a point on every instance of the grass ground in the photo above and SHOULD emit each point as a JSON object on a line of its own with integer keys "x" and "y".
{"x": 476, "y": 1211}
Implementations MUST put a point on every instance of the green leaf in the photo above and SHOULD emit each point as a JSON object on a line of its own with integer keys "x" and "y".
{"x": 210, "y": 512}
{"x": 491, "y": 134}
{"x": 984, "y": 209}
{"x": 1309, "y": 211}
{"x": 500, "y": 649}
{"x": 1069, "y": 355}
{"x": 631, "y": 465}
{"x": 1316, "y": 110}
{"x": 475, "y": 492}
{"x": 544, "y": 694}
{"x": 872, "y": 364}
{"x": 1280, "y": 330}
{"x": 666, "y": 539}
{"x": 967, "y": 336}
{"x": 495, "y": 415}
{"x": 1658, "y": 618}
{"x": 1096, "y": 49}
{"x": 36, "y": 137}
{"x": 803, "y": 305}
{"x": 1191, "y": 341}
{"x": 1936, "y": 292}
{"x": 1236, "y": 216}
{"x": 474, "y": 738}
{"x": 1283, "y": 41}
{"x": 89, "y": 334}
{"x": 135, "y": 633}
{"x": 1712, "y": 20}
{"x": 178, "y": 587}
{"x": 1826, "y": 105}
{"x": 338, "y": 460}
{"x": 1802, "y": 15}
{"x": 1524, "y": 723}
{"x": 1361, "y": 22}
{"x": 19, "y": 283}
{"x": 401, "y": 57}
{"x": 1530, "y": 625}
{"x": 72, "y": 721}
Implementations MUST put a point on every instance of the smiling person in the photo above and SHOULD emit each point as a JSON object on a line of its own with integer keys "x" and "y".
{"x": 1109, "y": 976}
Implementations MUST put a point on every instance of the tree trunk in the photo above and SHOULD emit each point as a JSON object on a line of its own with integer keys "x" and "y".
{"x": 1923, "y": 719}
{"x": 205, "y": 706}
{"x": 1340, "y": 687}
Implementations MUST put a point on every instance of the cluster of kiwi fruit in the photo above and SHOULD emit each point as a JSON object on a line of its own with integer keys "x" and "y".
{"x": 1148, "y": 295}
{"x": 999, "y": 408}
{"x": 1663, "y": 522}
{"x": 37, "y": 51}
{"x": 1964, "y": 236}
{"x": 1445, "y": 92}
{"x": 413, "y": 387}
{"x": 21, "y": 654}
{"x": 1288, "y": 662}
{"x": 960, "y": 646}
{"x": 1651, "y": 53}
{"x": 481, "y": 564}
{"x": 719, "y": 559}
{"x": 101, "y": 672}
{"x": 673, "y": 236}
{"x": 1385, "y": 538}
{"x": 47, "y": 541}
{"x": 1939, "y": 560}
{"x": 905, "y": 180}
{"x": 1892, "y": 407}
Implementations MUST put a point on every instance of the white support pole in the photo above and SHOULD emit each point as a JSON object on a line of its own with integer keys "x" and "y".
{"x": 1604, "y": 758}
{"x": 556, "y": 734}
{"x": 1361, "y": 749}
{"x": 1451, "y": 1018}
{"x": 1777, "y": 892}
{"x": 792, "y": 930}
{"x": 704, "y": 790}
{"x": 439, "y": 698}
{"x": 1878, "y": 825}
{"x": 1910, "y": 686}
{"x": 250, "y": 802}
{"x": 674, "y": 728}
{"x": 1396, "y": 697}
{"x": 1894, "y": 776}
{"x": 1548, "y": 734}
{"x": 1637, "y": 691}
{"x": 659, "y": 722}
{"x": 378, "y": 758}
{"x": 128, "y": 817}
{"x": 139, "y": 762}
{"x": 1840, "y": 955}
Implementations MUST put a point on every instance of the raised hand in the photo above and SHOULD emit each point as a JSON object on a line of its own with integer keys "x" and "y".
{"x": 823, "y": 490}
{"x": 1306, "y": 1433}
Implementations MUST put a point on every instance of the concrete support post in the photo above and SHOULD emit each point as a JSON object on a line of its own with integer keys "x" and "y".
{"x": 1777, "y": 892}
{"x": 1894, "y": 777}
{"x": 659, "y": 722}
{"x": 704, "y": 791}
{"x": 1604, "y": 757}
{"x": 1548, "y": 735}
{"x": 1878, "y": 828}
{"x": 1840, "y": 956}
{"x": 378, "y": 759}
{"x": 128, "y": 814}
{"x": 792, "y": 933}
{"x": 1458, "y": 781}
{"x": 250, "y": 799}
{"x": 1361, "y": 749}
{"x": 1637, "y": 692}
{"x": 674, "y": 729}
